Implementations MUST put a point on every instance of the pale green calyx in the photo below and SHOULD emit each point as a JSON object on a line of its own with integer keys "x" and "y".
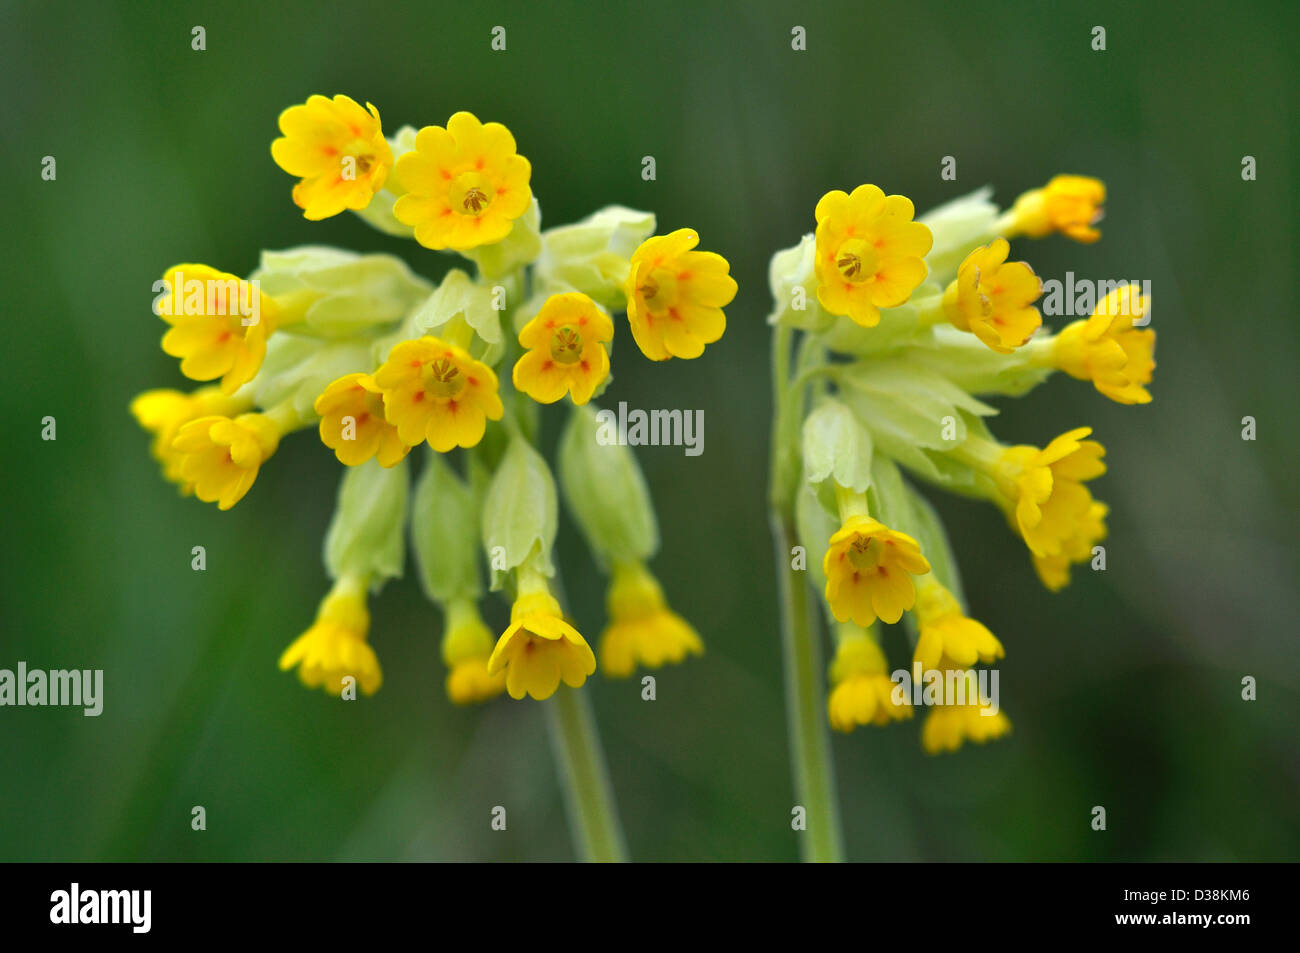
{"x": 445, "y": 534}
{"x": 593, "y": 256}
{"x": 837, "y": 449}
{"x": 958, "y": 228}
{"x": 343, "y": 293}
{"x": 297, "y": 369}
{"x": 366, "y": 537}
{"x": 606, "y": 492}
{"x": 914, "y": 415}
{"x": 794, "y": 288}
{"x": 459, "y": 297}
{"x": 519, "y": 512}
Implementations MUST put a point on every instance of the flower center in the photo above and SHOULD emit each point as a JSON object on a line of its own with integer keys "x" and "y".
{"x": 659, "y": 289}
{"x": 471, "y": 194}
{"x": 856, "y": 261}
{"x": 443, "y": 378}
{"x": 865, "y": 552}
{"x": 566, "y": 345}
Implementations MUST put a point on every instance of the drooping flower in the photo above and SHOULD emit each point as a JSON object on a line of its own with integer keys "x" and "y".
{"x": 219, "y": 324}
{"x": 862, "y": 692}
{"x": 220, "y": 456}
{"x": 1069, "y": 204}
{"x": 565, "y": 350}
{"x": 435, "y": 391}
{"x": 539, "y": 649}
{"x": 642, "y": 629}
{"x": 335, "y": 646}
{"x": 352, "y": 422}
{"x": 675, "y": 296}
{"x": 869, "y": 569}
{"x": 1054, "y": 571}
{"x": 1109, "y": 350}
{"x": 870, "y": 254}
{"x": 1043, "y": 492}
{"x": 948, "y": 633}
{"x": 163, "y": 412}
{"x": 948, "y": 727}
{"x": 465, "y": 184}
{"x": 993, "y": 298}
{"x": 338, "y": 151}
{"x": 466, "y": 648}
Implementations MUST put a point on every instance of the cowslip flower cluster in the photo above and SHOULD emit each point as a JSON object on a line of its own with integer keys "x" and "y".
{"x": 888, "y": 331}
{"x": 380, "y": 360}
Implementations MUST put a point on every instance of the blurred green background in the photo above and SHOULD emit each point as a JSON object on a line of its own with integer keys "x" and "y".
{"x": 1124, "y": 689}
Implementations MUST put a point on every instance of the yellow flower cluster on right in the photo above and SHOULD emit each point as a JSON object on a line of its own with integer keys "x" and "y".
{"x": 891, "y": 332}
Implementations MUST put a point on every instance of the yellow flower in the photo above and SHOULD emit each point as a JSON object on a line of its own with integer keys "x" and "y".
{"x": 339, "y": 152}
{"x": 163, "y": 412}
{"x": 219, "y": 324}
{"x": 869, "y": 569}
{"x": 1054, "y": 571}
{"x": 947, "y": 727}
{"x": 675, "y": 296}
{"x": 862, "y": 693}
{"x": 367, "y": 433}
{"x": 1069, "y": 204}
{"x": 642, "y": 629}
{"x": 435, "y": 391}
{"x": 870, "y": 254}
{"x": 219, "y": 457}
{"x": 1043, "y": 491}
{"x": 994, "y": 299}
{"x": 540, "y": 649}
{"x": 335, "y": 646}
{"x": 565, "y": 350}
{"x": 466, "y": 648}
{"x": 465, "y": 184}
{"x": 948, "y": 633}
{"x": 1108, "y": 350}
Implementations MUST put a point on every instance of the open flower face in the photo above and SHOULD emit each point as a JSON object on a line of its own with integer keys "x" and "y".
{"x": 219, "y": 324}
{"x": 565, "y": 350}
{"x": 353, "y": 425}
{"x": 465, "y": 184}
{"x": 675, "y": 296}
{"x": 870, "y": 254}
{"x": 869, "y": 569}
{"x": 539, "y": 650}
{"x": 338, "y": 151}
{"x": 993, "y": 298}
{"x": 435, "y": 391}
{"x": 220, "y": 457}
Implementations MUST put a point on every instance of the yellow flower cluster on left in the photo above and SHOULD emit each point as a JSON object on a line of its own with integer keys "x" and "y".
{"x": 379, "y": 360}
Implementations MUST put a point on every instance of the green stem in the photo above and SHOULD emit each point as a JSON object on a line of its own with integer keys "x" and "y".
{"x": 588, "y": 796}
{"x": 805, "y": 701}
{"x": 814, "y": 780}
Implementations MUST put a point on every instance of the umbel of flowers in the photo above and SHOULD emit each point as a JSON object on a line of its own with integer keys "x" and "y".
{"x": 890, "y": 331}
{"x": 379, "y": 360}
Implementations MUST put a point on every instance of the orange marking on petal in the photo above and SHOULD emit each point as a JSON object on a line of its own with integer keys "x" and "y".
{"x": 419, "y": 396}
{"x": 479, "y": 163}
